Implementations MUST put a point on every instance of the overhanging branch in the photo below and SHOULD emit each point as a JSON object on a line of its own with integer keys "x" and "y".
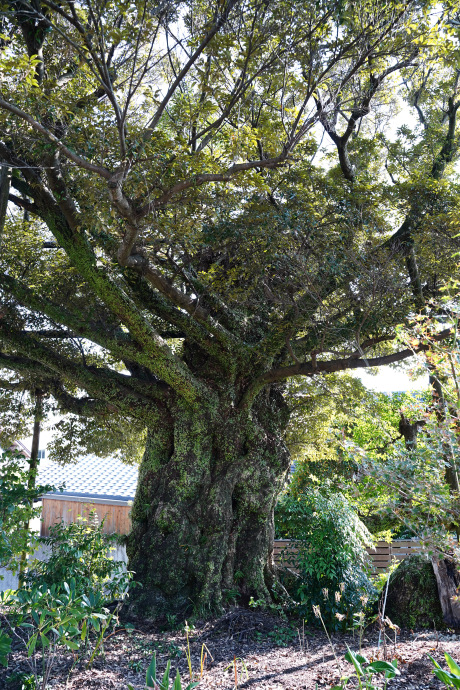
{"x": 316, "y": 367}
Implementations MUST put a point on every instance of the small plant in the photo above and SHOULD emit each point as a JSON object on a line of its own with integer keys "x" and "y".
{"x": 281, "y": 637}
{"x": 365, "y": 670}
{"x": 136, "y": 665}
{"x": 25, "y": 681}
{"x": 151, "y": 680}
{"x": 234, "y": 665}
{"x": 231, "y": 595}
{"x": 450, "y": 678}
{"x": 171, "y": 622}
{"x": 81, "y": 551}
{"x": 43, "y": 619}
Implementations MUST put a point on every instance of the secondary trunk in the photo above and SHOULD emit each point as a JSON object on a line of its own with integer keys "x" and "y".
{"x": 448, "y": 579}
{"x": 202, "y": 519}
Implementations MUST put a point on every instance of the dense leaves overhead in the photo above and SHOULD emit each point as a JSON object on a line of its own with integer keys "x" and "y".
{"x": 208, "y": 197}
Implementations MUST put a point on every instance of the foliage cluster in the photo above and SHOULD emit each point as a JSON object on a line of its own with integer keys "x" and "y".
{"x": 17, "y": 508}
{"x": 330, "y": 555}
{"x": 81, "y": 551}
{"x": 66, "y": 601}
{"x": 44, "y": 620}
{"x": 399, "y": 489}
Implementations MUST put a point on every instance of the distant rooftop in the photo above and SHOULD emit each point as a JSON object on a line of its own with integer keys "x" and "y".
{"x": 92, "y": 477}
{"x": 20, "y": 447}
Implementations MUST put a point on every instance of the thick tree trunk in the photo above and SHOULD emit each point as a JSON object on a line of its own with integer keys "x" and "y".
{"x": 448, "y": 579}
{"x": 203, "y": 513}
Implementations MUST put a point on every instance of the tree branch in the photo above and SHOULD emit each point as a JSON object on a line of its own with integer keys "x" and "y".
{"x": 204, "y": 178}
{"x": 74, "y": 157}
{"x": 101, "y": 383}
{"x": 331, "y": 366}
{"x": 219, "y": 23}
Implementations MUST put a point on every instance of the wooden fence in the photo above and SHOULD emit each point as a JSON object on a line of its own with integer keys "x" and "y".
{"x": 381, "y": 555}
{"x": 114, "y": 513}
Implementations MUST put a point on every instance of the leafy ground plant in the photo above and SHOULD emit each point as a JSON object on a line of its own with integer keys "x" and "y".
{"x": 365, "y": 671}
{"x": 151, "y": 680}
{"x": 44, "y": 620}
{"x": 450, "y": 678}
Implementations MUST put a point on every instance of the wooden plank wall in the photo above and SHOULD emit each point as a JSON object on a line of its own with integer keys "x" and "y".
{"x": 117, "y": 520}
{"x": 381, "y": 556}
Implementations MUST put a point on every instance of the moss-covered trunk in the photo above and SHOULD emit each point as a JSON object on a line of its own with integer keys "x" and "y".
{"x": 203, "y": 513}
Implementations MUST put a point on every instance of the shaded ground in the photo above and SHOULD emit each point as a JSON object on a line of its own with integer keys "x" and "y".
{"x": 270, "y": 655}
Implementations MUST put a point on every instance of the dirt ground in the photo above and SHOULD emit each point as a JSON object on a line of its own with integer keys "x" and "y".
{"x": 269, "y": 654}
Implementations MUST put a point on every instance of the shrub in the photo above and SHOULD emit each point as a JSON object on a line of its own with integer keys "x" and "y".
{"x": 81, "y": 551}
{"x": 330, "y": 555}
{"x": 45, "y": 621}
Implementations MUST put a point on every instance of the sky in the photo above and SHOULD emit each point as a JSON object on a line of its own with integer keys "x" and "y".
{"x": 388, "y": 380}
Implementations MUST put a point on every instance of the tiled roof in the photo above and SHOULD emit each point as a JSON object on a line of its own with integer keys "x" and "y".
{"x": 92, "y": 477}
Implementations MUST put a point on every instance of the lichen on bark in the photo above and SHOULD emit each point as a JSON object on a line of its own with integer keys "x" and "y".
{"x": 203, "y": 513}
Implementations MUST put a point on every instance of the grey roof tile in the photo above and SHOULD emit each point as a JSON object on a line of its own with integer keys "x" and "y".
{"x": 92, "y": 477}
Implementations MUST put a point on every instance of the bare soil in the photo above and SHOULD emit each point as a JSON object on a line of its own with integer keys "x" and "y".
{"x": 269, "y": 654}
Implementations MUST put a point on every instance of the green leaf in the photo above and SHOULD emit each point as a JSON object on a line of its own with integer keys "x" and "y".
{"x": 453, "y": 666}
{"x": 165, "y": 680}
{"x": 349, "y": 656}
{"x": 151, "y": 676}
{"x": 384, "y": 667}
{"x": 177, "y": 684}
{"x": 435, "y": 663}
{"x": 446, "y": 678}
{"x": 5, "y": 648}
{"x": 31, "y": 644}
{"x": 71, "y": 645}
{"x": 362, "y": 659}
{"x": 44, "y": 640}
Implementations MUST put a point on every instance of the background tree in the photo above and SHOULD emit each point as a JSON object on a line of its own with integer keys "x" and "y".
{"x": 189, "y": 247}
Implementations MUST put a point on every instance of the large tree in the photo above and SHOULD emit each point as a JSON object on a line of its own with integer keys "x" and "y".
{"x": 177, "y": 244}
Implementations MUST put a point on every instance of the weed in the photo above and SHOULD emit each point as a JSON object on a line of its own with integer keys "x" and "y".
{"x": 234, "y": 664}
{"x": 281, "y": 637}
{"x": 364, "y": 672}
{"x": 136, "y": 665}
{"x": 450, "y": 678}
{"x": 151, "y": 680}
{"x": 24, "y": 681}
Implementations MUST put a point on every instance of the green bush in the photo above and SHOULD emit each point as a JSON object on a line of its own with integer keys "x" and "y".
{"x": 46, "y": 621}
{"x": 330, "y": 555}
{"x": 81, "y": 551}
